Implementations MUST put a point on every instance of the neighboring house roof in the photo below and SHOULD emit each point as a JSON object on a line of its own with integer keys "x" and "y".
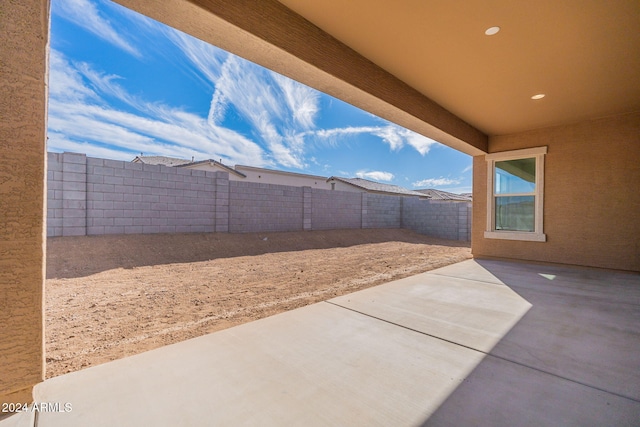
{"x": 160, "y": 160}
{"x": 295, "y": 174}
{"x": 444, "y": 195}
{"x": 180, "y": 163}
{"x": 377, "y": 187}
{"x": 212, "y": 162}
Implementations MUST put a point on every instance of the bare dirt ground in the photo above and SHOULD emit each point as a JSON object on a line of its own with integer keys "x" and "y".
{"x": 113, "y": 296}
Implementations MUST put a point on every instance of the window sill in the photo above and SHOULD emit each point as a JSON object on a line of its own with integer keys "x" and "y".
{"x": 516, "y": 235}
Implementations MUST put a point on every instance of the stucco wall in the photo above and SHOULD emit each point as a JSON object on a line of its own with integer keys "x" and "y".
{"x": 591, "y": 195}
{"x": 264, "y": 176}
{"x": 212, "y": 167}
{"x": 23, "y": 71}
{"x": 342, "y": 186}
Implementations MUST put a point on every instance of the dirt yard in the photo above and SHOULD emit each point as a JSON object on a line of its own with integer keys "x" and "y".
{"x": 113, "y": 296}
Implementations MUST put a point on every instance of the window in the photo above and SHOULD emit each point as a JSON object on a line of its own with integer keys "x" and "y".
{"x": 515, "y": 184}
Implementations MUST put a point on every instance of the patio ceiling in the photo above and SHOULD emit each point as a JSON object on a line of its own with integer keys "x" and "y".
{"x": 584, "y": 55}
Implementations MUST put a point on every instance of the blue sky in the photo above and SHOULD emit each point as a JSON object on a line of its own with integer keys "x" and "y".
{"x": 122, "y": 84}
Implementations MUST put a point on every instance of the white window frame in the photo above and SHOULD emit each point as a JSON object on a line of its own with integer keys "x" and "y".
{"x": 532, "y": 236}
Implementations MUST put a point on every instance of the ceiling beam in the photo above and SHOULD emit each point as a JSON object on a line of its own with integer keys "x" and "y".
{"x": 273, "y": 36}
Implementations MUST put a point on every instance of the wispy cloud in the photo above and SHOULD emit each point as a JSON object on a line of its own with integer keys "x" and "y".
{"x": 336, "y": 132}
{"x": 301, "y": 100}
{"x": 280, "y": 114}
{"x": 277, "y": 109}
{"x": 421, "y": 143}
{"x": 281, "y": 111}
{"x": 436, "y": 182}
{"x": 62, "y": 143}
{"x": 82, "y": 119}
{"x": 395, "y": 136}
{"x": 85, "y": 14}
{"x": 468, "y": 168}
{"x": 66, "y": 82}
{"x": 375, "y": 175}
{"x": 392, "y": 136}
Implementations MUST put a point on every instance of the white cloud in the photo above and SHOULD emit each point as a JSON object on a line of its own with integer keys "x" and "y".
{"x": 206, "y": 61}
{"x": 375, "y": 175}
{"x": 281, "y": 114}
{"x": 422, "y": 144}
{"x": 254, "y": 94}
{"x": 85, "y": 14}
{"x": 392, "y": 135}
{"x": 217, "y": 108}
{"x": 59, "y": 142}
{"x": 396, "y": 136}
{"x": 66, "y": 82}
{"x": 330, "y": 133}
{"x": 436, "y": 182}
{"x": 301, "y": 100}
{"x": 82, "y": 118}
{"x": 106, "y": 84}
{"x": 468, "y": 168}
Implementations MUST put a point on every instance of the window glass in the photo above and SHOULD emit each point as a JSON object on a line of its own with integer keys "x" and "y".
{"x": 515, "y": 213}
{"x": 515, "y": 199}
{"x": 515, "y": 176}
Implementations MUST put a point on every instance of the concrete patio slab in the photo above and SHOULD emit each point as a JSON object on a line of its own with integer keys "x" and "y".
{"x": 579, "y": 323}
{"x": 502, "y": 393}
{"x": 320, "y": 365}
{"x": 469, "y": 270}
{"x": 584, "y": 324}
{"x": 471, "y": 313}
{"x": 18, "y": 419}
{"x": 476, "y": 343}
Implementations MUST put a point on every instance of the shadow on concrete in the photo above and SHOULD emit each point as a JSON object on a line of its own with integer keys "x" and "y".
{"x": 573, "y": 358}
{"x": 477, "y": 343}
{"x": 69, "y": 257}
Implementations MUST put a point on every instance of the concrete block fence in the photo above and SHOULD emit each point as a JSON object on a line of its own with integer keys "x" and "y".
{"x": 379, "y": 211}
{"x": 438, "y": 218}
{"x": 257, "y": 207}
{"x": 89, "y": 196}
{"x": 335, "y": 209}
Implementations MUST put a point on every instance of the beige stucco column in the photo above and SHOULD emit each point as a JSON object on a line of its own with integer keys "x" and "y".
{"x": 24, "y": 34}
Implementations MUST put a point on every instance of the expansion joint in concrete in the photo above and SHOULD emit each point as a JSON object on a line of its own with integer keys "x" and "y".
{"x": 487, "y": 354}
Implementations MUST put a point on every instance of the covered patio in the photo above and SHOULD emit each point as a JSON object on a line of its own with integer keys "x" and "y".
{"x": 482, "y": 342}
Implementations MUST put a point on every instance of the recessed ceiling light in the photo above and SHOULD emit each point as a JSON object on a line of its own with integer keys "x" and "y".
{"x": 538, "y": 96}
{"x": 491, "y": 31}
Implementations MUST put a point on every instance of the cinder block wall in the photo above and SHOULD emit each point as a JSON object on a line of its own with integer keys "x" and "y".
{"x": 381, "y": 211}
{"x": 67, "y": 194}
{"x": 135, "y": 198}
{"x": 257, "y": 207}
{"x": 89, "y": 196}
{"x": 96, "y": 196}
{"x": 335, "y": 209}
{"x": 438, "y": 218}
